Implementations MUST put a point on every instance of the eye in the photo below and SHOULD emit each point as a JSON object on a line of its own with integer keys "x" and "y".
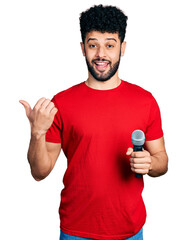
{"x": 110, "y": 46}
{"x": 92, "y": 45}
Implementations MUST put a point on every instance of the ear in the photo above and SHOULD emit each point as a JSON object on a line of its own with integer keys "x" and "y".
{"x": 123, "y": 46}
{"x": 83, "y": 49}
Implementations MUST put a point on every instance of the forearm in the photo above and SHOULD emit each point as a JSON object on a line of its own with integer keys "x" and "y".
{"x": 159, "y": 164}
{"x": 38, "y": 157}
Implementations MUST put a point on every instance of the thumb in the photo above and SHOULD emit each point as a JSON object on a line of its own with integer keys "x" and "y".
{"x": 129, "y": 151}
{"x": 26, "y": 106}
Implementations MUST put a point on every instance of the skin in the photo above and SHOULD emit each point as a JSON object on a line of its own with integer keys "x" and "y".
{"x": 152, "y": 161}
{"x": 104, "y": 46}
{"x": 42, "y": 155}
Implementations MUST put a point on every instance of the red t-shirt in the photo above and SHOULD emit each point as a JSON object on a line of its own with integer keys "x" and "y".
{"x": 101, "y": 198}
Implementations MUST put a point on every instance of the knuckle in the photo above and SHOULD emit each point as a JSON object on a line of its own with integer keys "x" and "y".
{"x": 45, "y": 113}
{"x": 35, "y": 109}
{"x": 42, "y": 98}
{"x": 40, "y": 110}
{"x": 47, "y": 100}
{"x": 54, "y": 111}
{"x": 136, "y": 154}
{"x": 51, "y": 105}
{"x": 147, "y": 166}
{"x": 146, "y": 153}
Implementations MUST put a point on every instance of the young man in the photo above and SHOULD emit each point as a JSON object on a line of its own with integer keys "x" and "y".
{"x": 92, "y": 122}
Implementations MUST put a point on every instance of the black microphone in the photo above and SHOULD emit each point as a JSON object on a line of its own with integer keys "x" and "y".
{"x": 138, "y": 139}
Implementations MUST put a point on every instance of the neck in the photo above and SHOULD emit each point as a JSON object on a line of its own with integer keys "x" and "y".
{"x": 103, "y": 85}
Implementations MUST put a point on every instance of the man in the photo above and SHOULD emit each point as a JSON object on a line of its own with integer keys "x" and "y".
{"x": 92, "y": 122}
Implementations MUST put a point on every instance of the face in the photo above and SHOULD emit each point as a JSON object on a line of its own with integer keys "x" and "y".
{"x": 103, "y": 52}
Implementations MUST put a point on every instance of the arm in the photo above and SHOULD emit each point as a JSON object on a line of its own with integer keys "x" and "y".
{"x": 152, "y": 161}
{"x": 41, "y": 155}
{"x": 159, "y": 158}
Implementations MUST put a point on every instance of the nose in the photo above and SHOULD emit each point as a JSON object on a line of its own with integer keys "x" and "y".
{"x": 101, "y": 52}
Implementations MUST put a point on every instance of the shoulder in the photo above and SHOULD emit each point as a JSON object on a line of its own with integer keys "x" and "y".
{"x": 139, "y": 96}
{"x": 67, "y": 93}
{"x": 137, "y": 90}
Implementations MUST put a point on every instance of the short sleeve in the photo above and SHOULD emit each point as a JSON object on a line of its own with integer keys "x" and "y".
{"x": 54, "y": 133}
{"x": 154, "y": 126}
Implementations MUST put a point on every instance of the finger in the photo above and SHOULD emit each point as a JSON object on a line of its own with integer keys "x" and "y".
{"x": 45, "y": 104}
{"x": 26, "y": 106}
{"x": 140, "y": 166}
{"x": 39, "y": 102}
{"x": 54, "y": 111}
{"x": 140, "y": 171}
{"x": 50, "y": 106}
{"x": 146, "y": 160}
{"x": 129, "y": 151}
{"x": 140, "y": 154}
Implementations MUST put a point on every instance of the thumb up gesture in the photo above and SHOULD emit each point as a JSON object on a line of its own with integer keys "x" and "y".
{"x": 41, "y": 116}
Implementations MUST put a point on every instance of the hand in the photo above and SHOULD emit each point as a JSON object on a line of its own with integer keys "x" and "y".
{"x": 41, "y": 116}
{"x": 140, "y": 161}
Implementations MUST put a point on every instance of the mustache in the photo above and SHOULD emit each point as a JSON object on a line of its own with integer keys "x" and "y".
{"x": 100, "y": 59}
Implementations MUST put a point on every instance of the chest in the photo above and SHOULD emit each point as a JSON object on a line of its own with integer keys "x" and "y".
{"x": 104, "y": 117}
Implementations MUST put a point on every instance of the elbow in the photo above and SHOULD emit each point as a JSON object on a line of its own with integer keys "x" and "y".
{"x": 160, "y": 171}
{"x": 166, "y": 169}
{"x": 38, "y": 179}
{"x": 40, "y": 173}
{"x": 166, "y": 165}
{"x": 39, "y": 176}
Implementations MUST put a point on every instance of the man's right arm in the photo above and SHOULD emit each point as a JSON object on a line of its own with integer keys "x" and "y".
{"x": 42, "y": 155}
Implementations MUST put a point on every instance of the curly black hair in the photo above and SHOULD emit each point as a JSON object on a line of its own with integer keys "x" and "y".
{"x": 103, "y": 19}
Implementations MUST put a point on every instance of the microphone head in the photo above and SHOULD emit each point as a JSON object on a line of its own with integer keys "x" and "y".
{"x": 138, "y": 138}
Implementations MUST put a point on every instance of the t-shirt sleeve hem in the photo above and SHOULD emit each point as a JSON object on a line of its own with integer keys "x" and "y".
{"x": 154, "y": 137}
{"x": 53, "y": 140}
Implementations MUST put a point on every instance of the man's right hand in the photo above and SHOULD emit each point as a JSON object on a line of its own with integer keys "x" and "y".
{"x": 41, "y": 116}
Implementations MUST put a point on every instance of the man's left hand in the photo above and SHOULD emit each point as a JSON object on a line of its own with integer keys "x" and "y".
{"x": 140, "y": 161}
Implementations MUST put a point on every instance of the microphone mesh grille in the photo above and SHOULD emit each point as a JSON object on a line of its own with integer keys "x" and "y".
{"x": 138, "y": 138}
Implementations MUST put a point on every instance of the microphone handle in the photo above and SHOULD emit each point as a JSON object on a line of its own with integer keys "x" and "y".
{"x": 137, "y": 149}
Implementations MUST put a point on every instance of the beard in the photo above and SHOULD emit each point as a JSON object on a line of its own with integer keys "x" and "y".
{"x": 103, "y": 76}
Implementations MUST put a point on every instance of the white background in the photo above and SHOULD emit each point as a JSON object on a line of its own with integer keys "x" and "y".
{"x": 40, "y": 56}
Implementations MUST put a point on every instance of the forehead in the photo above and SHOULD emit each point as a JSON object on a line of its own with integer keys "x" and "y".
{"x": 99, "y": 36}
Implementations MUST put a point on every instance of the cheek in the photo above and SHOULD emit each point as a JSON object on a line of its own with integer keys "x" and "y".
{"x": 90, "y": 55}
{"x": 114, "y": 55}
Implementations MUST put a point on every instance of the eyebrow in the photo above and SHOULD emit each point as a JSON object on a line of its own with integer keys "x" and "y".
{"x": 107, "y": 39}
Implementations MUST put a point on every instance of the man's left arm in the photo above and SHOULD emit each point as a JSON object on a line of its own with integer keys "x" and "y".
{"x": 153, "y": 160}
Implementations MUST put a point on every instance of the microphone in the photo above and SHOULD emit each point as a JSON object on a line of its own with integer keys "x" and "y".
{"x": 138, "y": 139}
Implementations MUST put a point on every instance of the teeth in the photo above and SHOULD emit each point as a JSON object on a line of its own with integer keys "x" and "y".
{"x": 101, "y": 63}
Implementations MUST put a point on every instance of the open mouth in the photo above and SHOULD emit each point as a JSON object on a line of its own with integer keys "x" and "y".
{"x": 101, "y": 65}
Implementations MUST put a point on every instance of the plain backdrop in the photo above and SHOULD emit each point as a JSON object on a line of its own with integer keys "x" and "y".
{"x": 40, "y": 55}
